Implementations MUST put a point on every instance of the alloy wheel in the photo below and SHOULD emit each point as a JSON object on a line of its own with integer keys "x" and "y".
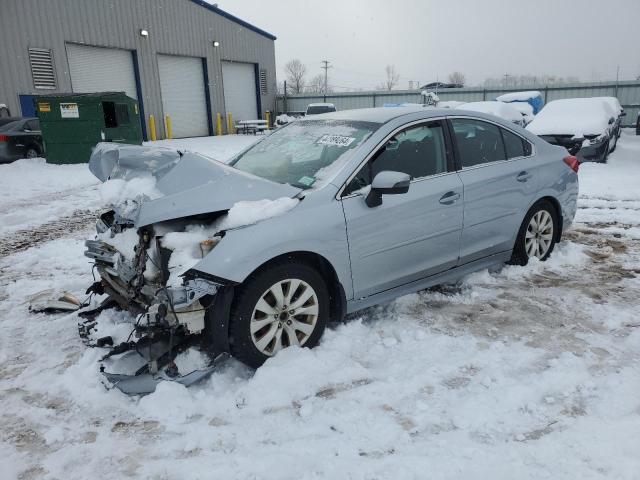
{"x": 539, "y": 236}
{"x": 286, "y": 314}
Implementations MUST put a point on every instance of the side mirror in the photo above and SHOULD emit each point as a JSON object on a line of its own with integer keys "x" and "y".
{"x": 388, "y": 183}
{"x": 611, "y": 120}
{"x": 623, "y": 114}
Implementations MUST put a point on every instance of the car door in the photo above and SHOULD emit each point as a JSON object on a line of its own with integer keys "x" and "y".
{"x": 500, "y": 181}
{"x": 411, "y": 235}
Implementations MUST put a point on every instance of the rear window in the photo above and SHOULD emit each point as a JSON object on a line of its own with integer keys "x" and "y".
{"x": 478, "y": 142}
{"x": 513, "y": 144}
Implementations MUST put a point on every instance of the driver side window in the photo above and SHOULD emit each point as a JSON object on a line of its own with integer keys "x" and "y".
{"x": 418, "y": 151}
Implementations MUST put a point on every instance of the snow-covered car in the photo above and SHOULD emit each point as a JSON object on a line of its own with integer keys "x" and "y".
{"x": 638, "y": 124}
{"x": 323, "y": 217}
{"x": 584, "y": 126}
{"x": 499, "y": 109}
{"x": 318, "y": 108}
{"x": 530, "y": 97}
{"x": 614, "y": 103}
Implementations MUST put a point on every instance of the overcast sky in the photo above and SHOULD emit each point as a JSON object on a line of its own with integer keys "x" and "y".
{"x": 427, "y": 39}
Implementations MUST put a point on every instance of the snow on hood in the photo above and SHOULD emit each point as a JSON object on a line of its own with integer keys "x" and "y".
{"x": 572, "y": 116}
{"x": 186, "y": 245}
{"x": 167, "y": 185}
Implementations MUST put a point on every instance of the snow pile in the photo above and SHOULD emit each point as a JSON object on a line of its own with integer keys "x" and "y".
{"x": 519, "y": 96}
{"x": 525, "y": 109}
{"x": 117, "y": 191}
{"x": 187, "y": 251}
{"x": 33, "y": 193}
{"x": 572, "y": 116}
{"x": 498, "y": 109}
{"x": 283, "y": 119}
{"x": 247, "y": 213}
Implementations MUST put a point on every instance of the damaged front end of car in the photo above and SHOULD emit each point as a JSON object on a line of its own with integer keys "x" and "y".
{"x": 169, "y": 318}
{"x": 169, "y": 211}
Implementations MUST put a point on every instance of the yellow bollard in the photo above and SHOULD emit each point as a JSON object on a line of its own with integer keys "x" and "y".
{"x": 218, "y": 124}
{"x": 230, "y": 129}
{"x": 167, "y": 126}
{"x": 152, "y": 128}
{"x": 268, "y": 119}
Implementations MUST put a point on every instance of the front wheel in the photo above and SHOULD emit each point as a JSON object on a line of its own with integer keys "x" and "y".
{"x": 284, "y": 305}
{"x": 537, "y": 235}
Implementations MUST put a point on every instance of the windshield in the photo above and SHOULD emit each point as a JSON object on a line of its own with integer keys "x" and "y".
{"x": 317, "y": 109}
{"x": 304, "y": 152}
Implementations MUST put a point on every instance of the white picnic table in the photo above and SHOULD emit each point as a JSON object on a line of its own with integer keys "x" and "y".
{"x": 251, "y": 126}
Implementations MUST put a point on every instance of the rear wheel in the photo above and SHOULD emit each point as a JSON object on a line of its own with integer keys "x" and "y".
{"x": 31, "y": 153}
{"x": 537, "y": 235}
{"x": 284, "y": 305}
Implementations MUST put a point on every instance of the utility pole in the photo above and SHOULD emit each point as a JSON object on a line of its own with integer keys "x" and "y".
{"x": 506, "y": 79}
{"x": 326, "y": 67}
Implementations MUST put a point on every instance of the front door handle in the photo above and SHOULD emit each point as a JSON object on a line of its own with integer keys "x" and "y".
{"x": 523, "y": 176}
{"x": 449, "y": 198}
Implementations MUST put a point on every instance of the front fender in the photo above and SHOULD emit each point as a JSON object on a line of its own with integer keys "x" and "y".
{"x": 315, "y": 226}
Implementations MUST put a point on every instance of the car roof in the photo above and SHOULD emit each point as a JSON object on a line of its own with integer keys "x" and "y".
{"x": 379, "y": 114}
{"x": 321, "y": 105}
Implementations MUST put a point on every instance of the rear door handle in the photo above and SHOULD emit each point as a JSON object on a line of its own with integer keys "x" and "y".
{"x": 523, "y": 176}
{"x": 449, "y": 198}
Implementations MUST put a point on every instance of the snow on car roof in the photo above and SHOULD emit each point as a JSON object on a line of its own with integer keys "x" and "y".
{"x": 499, "y": 109}
{"x": 614, "y": 102}
{"x": 376, "y": 115}
{"x": 321, "y": 105}
{"x": 519, "y": 96}
{"x": 572, "y": 116}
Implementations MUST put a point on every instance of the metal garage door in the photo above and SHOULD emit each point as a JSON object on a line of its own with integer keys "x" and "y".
{"x": 183, "y": 95}
{"x": 239, "y": 81}
{"x": 95, "y": 69}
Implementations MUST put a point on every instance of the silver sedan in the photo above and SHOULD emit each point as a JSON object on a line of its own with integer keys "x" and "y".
{"x": 324, "y": 217}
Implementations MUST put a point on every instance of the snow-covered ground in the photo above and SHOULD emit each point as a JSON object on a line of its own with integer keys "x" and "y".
{"x": 525, "y": 373}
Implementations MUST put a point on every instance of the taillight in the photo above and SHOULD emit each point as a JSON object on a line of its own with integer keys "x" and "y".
{"x": 572, "y": 162}
{"x": 4, "y": 138}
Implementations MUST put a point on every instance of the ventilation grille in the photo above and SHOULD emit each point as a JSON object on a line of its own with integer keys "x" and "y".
{"x": 42, "y": 70}
{"x": 263, "y": 82}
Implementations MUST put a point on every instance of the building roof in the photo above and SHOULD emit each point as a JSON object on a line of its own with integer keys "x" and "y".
{"x": 233, "y": 18}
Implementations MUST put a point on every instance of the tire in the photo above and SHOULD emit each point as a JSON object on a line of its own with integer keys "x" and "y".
{"x": 522, "y": 249}
{"x": 31, "y": 153}
{"x": 275, "y": 323}
{"x": 605, "y": 154}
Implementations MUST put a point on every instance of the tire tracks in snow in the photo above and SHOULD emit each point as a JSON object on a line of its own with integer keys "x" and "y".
{"x": 27, "y": 238}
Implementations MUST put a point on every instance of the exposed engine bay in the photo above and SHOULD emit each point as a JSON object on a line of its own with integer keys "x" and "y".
{"x": 145, "y": 251}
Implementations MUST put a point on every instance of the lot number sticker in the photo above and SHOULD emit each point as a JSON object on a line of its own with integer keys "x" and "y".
{"x": 69, "y": 110}
{"x": 337, "y": 140}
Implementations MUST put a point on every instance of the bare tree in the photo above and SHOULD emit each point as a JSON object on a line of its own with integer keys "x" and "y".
{"x": 295, "y": 70}
{"x": 316, "y": 84}
{"x": 457, "y": 77}
{"x": 392, "y": 78}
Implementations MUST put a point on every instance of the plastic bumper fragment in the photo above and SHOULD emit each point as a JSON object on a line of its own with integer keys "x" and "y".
{"x": 146, "y": 383}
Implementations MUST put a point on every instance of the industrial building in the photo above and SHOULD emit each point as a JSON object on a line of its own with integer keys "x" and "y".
{"x": 186, "y": 59}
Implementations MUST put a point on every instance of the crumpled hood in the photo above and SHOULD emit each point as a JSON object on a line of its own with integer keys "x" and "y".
{"x": 190, "y": 184}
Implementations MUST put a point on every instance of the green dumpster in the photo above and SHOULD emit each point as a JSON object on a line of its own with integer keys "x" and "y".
{"x": 72, "y": 124}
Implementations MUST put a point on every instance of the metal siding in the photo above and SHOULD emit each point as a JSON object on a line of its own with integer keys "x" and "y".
{"x": 178, "y": 27}
{"x": 628, "y": 93}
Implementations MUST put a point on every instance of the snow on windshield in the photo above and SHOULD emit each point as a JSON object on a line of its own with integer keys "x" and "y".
{"x": 305, "y": 154}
